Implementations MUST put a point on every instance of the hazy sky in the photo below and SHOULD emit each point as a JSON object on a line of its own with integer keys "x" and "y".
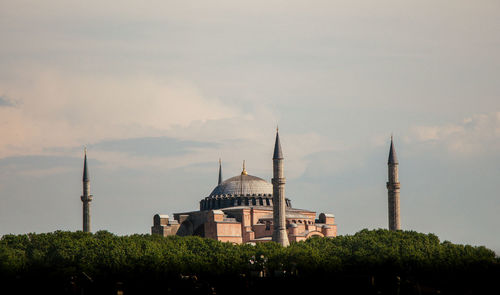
{"x": 159, "y": 90}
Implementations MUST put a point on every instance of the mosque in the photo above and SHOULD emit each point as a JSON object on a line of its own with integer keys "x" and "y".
{"x": 248, "y": 209}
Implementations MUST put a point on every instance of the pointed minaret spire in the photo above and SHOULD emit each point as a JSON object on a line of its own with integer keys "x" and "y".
{"x": 393, "y": 159}
{"x": 220, "y": 172}
{"x": 278, "y": 154}
{"x": 85, "y": 171}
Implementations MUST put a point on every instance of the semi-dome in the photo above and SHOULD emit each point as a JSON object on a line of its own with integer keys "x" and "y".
{"x": 243, "y": 184}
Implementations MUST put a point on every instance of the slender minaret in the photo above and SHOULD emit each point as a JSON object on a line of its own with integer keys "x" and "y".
{"x": 86, "y": 197}
{"x": 220, "y": 172}
{"x": 279, "y": 218}
{"x": 393, "y": 189}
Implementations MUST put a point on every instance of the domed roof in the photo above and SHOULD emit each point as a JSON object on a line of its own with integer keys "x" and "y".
{"x": 243, "y": 184}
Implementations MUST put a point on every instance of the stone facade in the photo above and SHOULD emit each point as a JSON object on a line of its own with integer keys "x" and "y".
{"x": 244, "y": 224}
{"x": 163, "y": 226}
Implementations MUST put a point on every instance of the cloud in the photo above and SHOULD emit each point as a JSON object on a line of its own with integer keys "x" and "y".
{"x": 479, "y": 133}
{"x": 36, "y": 165}
{"x": 63, "y": 110}
{"x": 6, "y": 102}
{"x": 143, "y": 122}
{"x": 152, "y": 146}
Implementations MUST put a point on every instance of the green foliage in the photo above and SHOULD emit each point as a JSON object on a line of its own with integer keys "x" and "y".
{"x": 104, "y": 257}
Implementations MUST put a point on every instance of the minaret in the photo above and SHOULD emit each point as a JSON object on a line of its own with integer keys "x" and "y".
{"x": 279, "y": 218}
{"x": 220, "y": 172}
{"x": 86, "y": 197}
{"x": 393, "y": 189}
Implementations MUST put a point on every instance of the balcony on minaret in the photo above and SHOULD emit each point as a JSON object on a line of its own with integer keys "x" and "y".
{"x": 86, "y": 198}
{"x": 393, "y": 185}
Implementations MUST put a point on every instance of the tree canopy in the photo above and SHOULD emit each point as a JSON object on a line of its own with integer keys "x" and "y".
{"x": 370, "y": 258}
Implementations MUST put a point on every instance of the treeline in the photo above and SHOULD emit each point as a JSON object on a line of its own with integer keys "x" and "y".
{"x": 370, "y": 262}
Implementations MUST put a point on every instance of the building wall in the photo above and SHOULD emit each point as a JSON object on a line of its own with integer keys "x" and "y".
{"x": 242, "y": 225}
{"x": 228, "y": 229}
{"x": 216, "y": 227}
{"x": 163, "y": 226}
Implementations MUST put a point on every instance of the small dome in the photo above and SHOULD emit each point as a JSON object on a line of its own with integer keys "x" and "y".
{"x": 243, "y": 184}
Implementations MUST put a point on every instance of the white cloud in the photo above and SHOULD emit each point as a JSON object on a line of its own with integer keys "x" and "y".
{"x": 478, "y": 133}
{"x": 430, "y": 133}
{"x": 56, "y": 111}
{"x": 61, "y": 110}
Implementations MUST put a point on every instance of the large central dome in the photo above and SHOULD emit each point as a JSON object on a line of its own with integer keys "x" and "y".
{"x": 243, "y": 185}
{"x": 240, "y": 190}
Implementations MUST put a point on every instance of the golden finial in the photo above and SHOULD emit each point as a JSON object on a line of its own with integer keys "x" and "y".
{"x": 220, "y": 162}
{"x": 277, "y": 129}
{"x": 85, "y": 149}
{"x": 244, "y": 172}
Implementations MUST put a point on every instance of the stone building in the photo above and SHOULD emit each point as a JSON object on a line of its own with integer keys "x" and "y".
{"x": 242, "y": 209}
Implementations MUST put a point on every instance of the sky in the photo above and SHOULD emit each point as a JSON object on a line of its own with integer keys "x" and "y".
{"x": 158, "y": 91}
